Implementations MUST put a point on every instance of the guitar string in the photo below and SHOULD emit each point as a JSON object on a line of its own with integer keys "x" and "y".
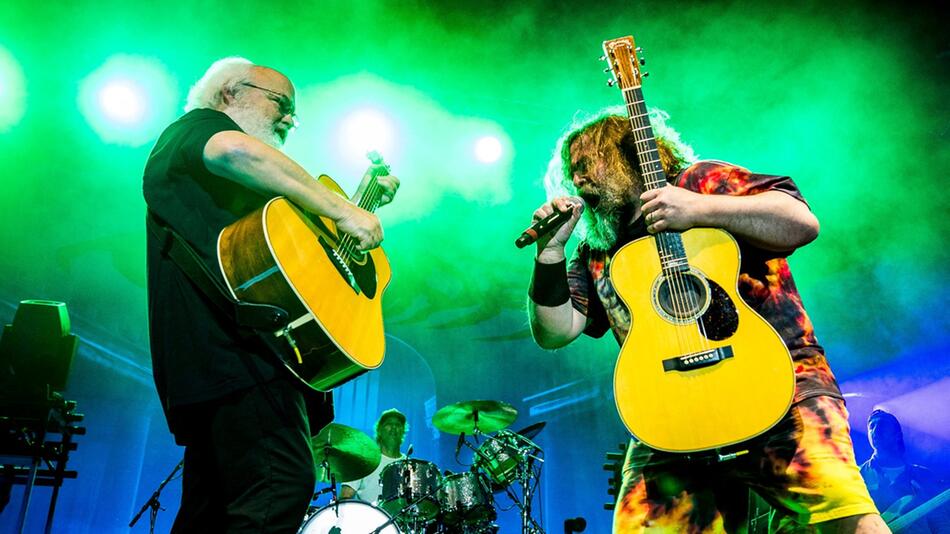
{"x": 642, "y": 133}
{"x": 674, "y": 282}
{"x": 368, "y": 201}
{"x": 684, "y": 298}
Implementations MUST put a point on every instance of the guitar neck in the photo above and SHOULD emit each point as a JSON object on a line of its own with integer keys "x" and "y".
{"x": 905, "y": 520}
{"x": 621, "y": 55}
{"x": 373, "y": 193}
{"x": 648, "y": 155}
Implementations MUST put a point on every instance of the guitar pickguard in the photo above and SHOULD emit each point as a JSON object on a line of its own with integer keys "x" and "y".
{"x": 721, "y": 319}
{"x": 359, "y": 273}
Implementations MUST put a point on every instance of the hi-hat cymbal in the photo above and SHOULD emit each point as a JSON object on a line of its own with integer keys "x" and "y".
{"x": 466, "y": 416}
{"x": 349, "y": 453}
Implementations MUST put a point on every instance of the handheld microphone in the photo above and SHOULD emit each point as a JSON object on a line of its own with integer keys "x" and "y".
{"x": 458, "y": 444}
{"x": 546, "y": 225}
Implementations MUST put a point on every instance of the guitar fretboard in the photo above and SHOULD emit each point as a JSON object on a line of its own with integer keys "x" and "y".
{"x": 668, "y": 244}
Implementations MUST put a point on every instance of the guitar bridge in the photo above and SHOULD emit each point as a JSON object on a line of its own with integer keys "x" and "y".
{"x": 697, "y": 360}
{"x": 341, "y": 265}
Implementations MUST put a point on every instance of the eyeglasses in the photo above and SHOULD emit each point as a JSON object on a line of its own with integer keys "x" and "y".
{"x": 285, "y": 105}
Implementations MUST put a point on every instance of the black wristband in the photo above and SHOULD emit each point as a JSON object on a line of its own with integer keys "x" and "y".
{"x": 549, "y": 284}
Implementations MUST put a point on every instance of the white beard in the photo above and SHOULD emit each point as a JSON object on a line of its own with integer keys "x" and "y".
{"x": 252, "y": 121}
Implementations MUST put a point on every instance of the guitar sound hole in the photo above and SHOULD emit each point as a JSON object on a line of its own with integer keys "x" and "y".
{"x": 683, "y": 296}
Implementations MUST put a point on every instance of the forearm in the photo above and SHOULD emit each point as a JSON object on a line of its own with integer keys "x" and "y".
{"x": 554, "y": 321}
{"x": 555, "y": 327}
{"x": 256, "y": 165}
{"x": 771, "y": 220}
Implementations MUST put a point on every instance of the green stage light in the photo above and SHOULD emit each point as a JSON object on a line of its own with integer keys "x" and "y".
{"x": 488, "y": 149}
{"x": 363, "y": 130}
{"x": 129, "y": 99}
{"x": 12, "y": 92}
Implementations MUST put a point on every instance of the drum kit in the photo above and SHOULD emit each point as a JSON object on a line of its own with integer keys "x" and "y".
{"x": 416, "y": 497}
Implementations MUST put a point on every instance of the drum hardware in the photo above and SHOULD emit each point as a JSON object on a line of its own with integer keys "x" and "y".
{"x": 349, "y": 516}
{"x": 153, "y": 504}
{"x": 505, "y": 457}
{"x": 520, "y": 467}
{"x": 416, "y": 522}
{"x": 410, "y": 492}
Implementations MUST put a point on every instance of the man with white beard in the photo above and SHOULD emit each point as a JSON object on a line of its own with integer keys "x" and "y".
{"x": 243, "y": 420}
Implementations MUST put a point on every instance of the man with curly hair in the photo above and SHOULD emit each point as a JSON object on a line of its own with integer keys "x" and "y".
{"x": 804, "y": 466}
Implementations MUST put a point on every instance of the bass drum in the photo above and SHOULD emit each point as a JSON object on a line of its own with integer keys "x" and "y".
{"x": 348, "y": 516}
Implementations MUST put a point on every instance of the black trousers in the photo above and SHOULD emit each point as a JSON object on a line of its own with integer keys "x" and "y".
{"x": 248, "y": 463}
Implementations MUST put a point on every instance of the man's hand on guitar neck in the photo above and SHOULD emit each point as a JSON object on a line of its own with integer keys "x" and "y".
{"x": 386, "y": 181}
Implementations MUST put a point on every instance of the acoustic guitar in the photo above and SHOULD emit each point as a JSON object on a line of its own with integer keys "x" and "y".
{"x": 283, "y": 256}
{"x": 699, "y": 368}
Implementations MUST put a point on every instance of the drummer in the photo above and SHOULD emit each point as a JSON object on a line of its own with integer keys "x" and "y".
{"x": 391, "y": 428}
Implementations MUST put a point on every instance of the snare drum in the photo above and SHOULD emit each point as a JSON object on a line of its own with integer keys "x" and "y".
{"x": 466, "y": 498}
{"x": 500, "y": 456}
{"x": 406, "y": 481}
{"x": 348, "y": 516}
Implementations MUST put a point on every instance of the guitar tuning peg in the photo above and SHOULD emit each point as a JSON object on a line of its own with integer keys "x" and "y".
{"x": 602, "y": 58}
{"x": 611, "y": 83}
{"x": 607, "y": 69}
{"x": 643, "y": 61}
{"x": 645, "y": 74}
{"x": 639, "y": 49}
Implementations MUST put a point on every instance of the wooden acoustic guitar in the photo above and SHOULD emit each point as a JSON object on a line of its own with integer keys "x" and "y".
{"x": 282, "y": 256}
{"x": 699, "y": 368}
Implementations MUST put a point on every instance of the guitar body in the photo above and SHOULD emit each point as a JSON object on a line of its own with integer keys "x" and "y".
{"x": 281, "y": 256}
{"x": 701, "y": 372}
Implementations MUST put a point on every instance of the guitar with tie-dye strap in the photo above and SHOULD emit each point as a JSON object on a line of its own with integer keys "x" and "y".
{"x": 699, "y": 369}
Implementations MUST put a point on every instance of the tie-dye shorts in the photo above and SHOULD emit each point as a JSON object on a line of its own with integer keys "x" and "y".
{"x": 803, "y": 467}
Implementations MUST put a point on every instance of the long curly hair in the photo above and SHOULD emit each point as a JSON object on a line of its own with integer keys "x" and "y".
{"x": 609, "y": 136}
{"x": 610, "y": 131}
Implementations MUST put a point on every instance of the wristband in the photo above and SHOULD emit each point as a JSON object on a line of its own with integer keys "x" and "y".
{"x": 549, "y": 284}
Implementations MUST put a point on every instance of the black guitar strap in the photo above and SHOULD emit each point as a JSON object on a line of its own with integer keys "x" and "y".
{"x": 262, "y": 319}
{"x": 259, "y": 317}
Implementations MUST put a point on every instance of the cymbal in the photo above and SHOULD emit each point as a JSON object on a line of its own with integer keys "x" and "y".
{"x": 349, "y": 453}
{"x": 531, "y": 431}
{"x": 492, "y": 416}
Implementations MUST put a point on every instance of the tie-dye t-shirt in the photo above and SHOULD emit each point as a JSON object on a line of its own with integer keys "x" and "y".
{"x": 765, "y": 281}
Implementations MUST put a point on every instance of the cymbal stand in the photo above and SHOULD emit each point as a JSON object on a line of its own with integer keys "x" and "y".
{"x": 152, "y": 503}
{"x": 525, "y": 477}
{"x": 325, "y": 464}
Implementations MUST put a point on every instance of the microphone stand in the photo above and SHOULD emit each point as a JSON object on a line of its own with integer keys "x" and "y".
{"x": 153, "y": 502}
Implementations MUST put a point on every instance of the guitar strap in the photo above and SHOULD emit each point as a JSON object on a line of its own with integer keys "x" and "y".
{"x": 258, "y": 317}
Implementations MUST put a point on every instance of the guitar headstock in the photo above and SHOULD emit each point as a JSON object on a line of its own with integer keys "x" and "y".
{"x": 377, "y": 159}
{"x": 622, "y": 61}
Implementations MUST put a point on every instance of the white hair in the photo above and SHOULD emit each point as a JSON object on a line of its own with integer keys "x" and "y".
{"x": 226, "y": 72}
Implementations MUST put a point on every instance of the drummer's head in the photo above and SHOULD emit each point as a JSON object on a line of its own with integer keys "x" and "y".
{"x": 391, "y": 428}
